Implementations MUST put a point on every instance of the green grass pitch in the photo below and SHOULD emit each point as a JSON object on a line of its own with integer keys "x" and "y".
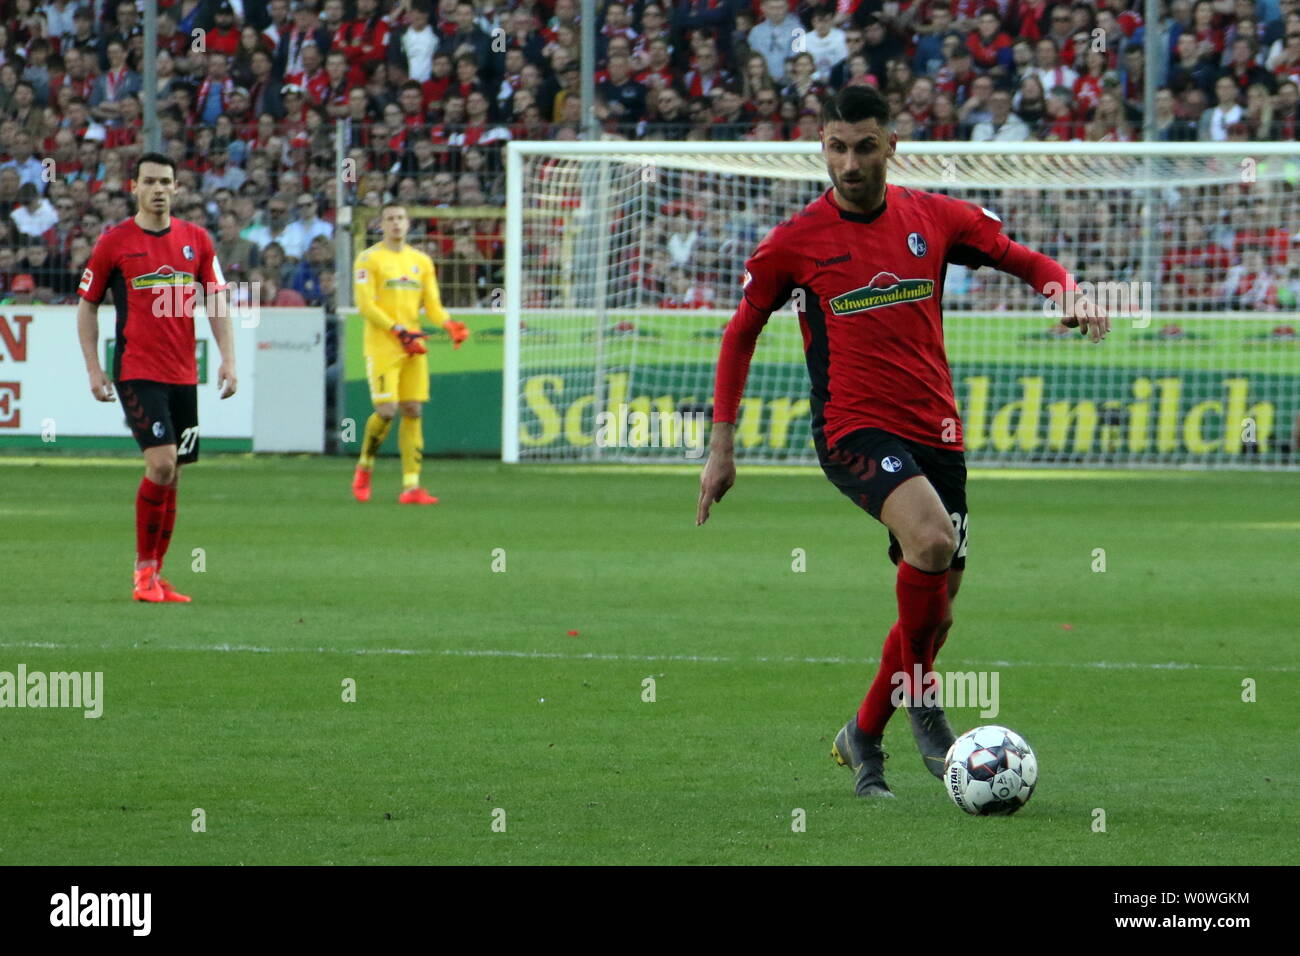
{"x": 472, "y": 696}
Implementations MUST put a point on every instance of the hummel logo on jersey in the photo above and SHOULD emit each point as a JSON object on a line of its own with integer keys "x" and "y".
{"x": 916, "y": 242}
{"x": 162, "y": 276}
{"x": 836, "y": 260}
{"x": 890, "y": 464}
{"x": 885, "y": 288}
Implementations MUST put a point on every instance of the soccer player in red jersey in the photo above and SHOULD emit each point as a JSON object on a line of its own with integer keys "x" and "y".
{"x": 866, "y": 261}
{"x": 155, "y": 265}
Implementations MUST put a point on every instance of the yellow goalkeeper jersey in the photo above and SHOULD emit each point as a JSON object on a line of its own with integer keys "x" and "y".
{"x": 389, "y": 288}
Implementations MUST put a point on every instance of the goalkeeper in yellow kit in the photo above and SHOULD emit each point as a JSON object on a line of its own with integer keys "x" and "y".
{"x": 392, "y": 280}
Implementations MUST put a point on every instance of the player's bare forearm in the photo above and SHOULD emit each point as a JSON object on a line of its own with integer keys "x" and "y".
{"x": 88, "y": 334}
{"x": 218, "y": 308}
{"x": 738, "y": 341}
{"x": 719, "y": 471}
{"x": 219, "y": 320}
{"x": 722, "y": 439}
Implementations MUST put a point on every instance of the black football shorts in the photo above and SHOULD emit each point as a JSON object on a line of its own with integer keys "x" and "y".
{"x": 162, "y": 414}
{"x": 868, "y": 464}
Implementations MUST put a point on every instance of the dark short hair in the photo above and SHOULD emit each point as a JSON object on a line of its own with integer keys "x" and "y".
{"x": 854, "y": 104}
{"x": 392, "y": 204}
{"x": 161, "y": 159}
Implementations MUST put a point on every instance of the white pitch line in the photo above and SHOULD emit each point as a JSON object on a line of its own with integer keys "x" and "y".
{"x": 640, "y": 658}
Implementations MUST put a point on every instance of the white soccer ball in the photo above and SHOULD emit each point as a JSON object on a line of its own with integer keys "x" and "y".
{"x": 990, "y": 770}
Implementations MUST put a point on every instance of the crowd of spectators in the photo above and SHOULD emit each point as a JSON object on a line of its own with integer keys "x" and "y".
{"x": 1217, "y": 247}
{"x": 252, "y": 92}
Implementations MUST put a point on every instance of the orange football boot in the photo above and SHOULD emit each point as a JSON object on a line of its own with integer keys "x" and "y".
{"x": 416, "y": 496}
{"x": 147, "y": 586}
{"x": 361, "y": 485}
{"x": 171, "y": 594}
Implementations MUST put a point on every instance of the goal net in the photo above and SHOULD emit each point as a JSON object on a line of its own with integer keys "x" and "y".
{"x": 625, "y": 262}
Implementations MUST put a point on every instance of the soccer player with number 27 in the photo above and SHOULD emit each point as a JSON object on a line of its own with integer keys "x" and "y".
{"x": 155, "y": 266}
{"x": 867, "y": 261}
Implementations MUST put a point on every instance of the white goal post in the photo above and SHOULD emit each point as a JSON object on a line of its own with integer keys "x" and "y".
{"x": 624, "y": 262}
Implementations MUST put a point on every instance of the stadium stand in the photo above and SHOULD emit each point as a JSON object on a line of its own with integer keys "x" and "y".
{"x": 429, "y": 92}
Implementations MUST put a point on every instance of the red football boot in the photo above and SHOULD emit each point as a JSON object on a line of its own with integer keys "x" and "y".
{"x": 416, "y": 496}
{"x": 171, "y": 594}
{"x": 147, "y": 586}
{"x": 361, "y": 484}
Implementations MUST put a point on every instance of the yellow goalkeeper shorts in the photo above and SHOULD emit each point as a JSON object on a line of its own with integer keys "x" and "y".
{"x": 403, "y": 380}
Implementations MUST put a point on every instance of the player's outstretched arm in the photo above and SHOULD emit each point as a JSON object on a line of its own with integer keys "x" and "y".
{"x": 1049, "y": 278}
{"x": 88, "y": 334}
{"x": 978, "y": 240}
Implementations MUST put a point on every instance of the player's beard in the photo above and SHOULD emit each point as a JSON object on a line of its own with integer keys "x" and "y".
{"x": 865, "y": 193}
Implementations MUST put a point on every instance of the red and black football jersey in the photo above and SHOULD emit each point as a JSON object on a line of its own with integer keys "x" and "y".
{"x": 155, "y": 278}
{"x": 870, "y": 315}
